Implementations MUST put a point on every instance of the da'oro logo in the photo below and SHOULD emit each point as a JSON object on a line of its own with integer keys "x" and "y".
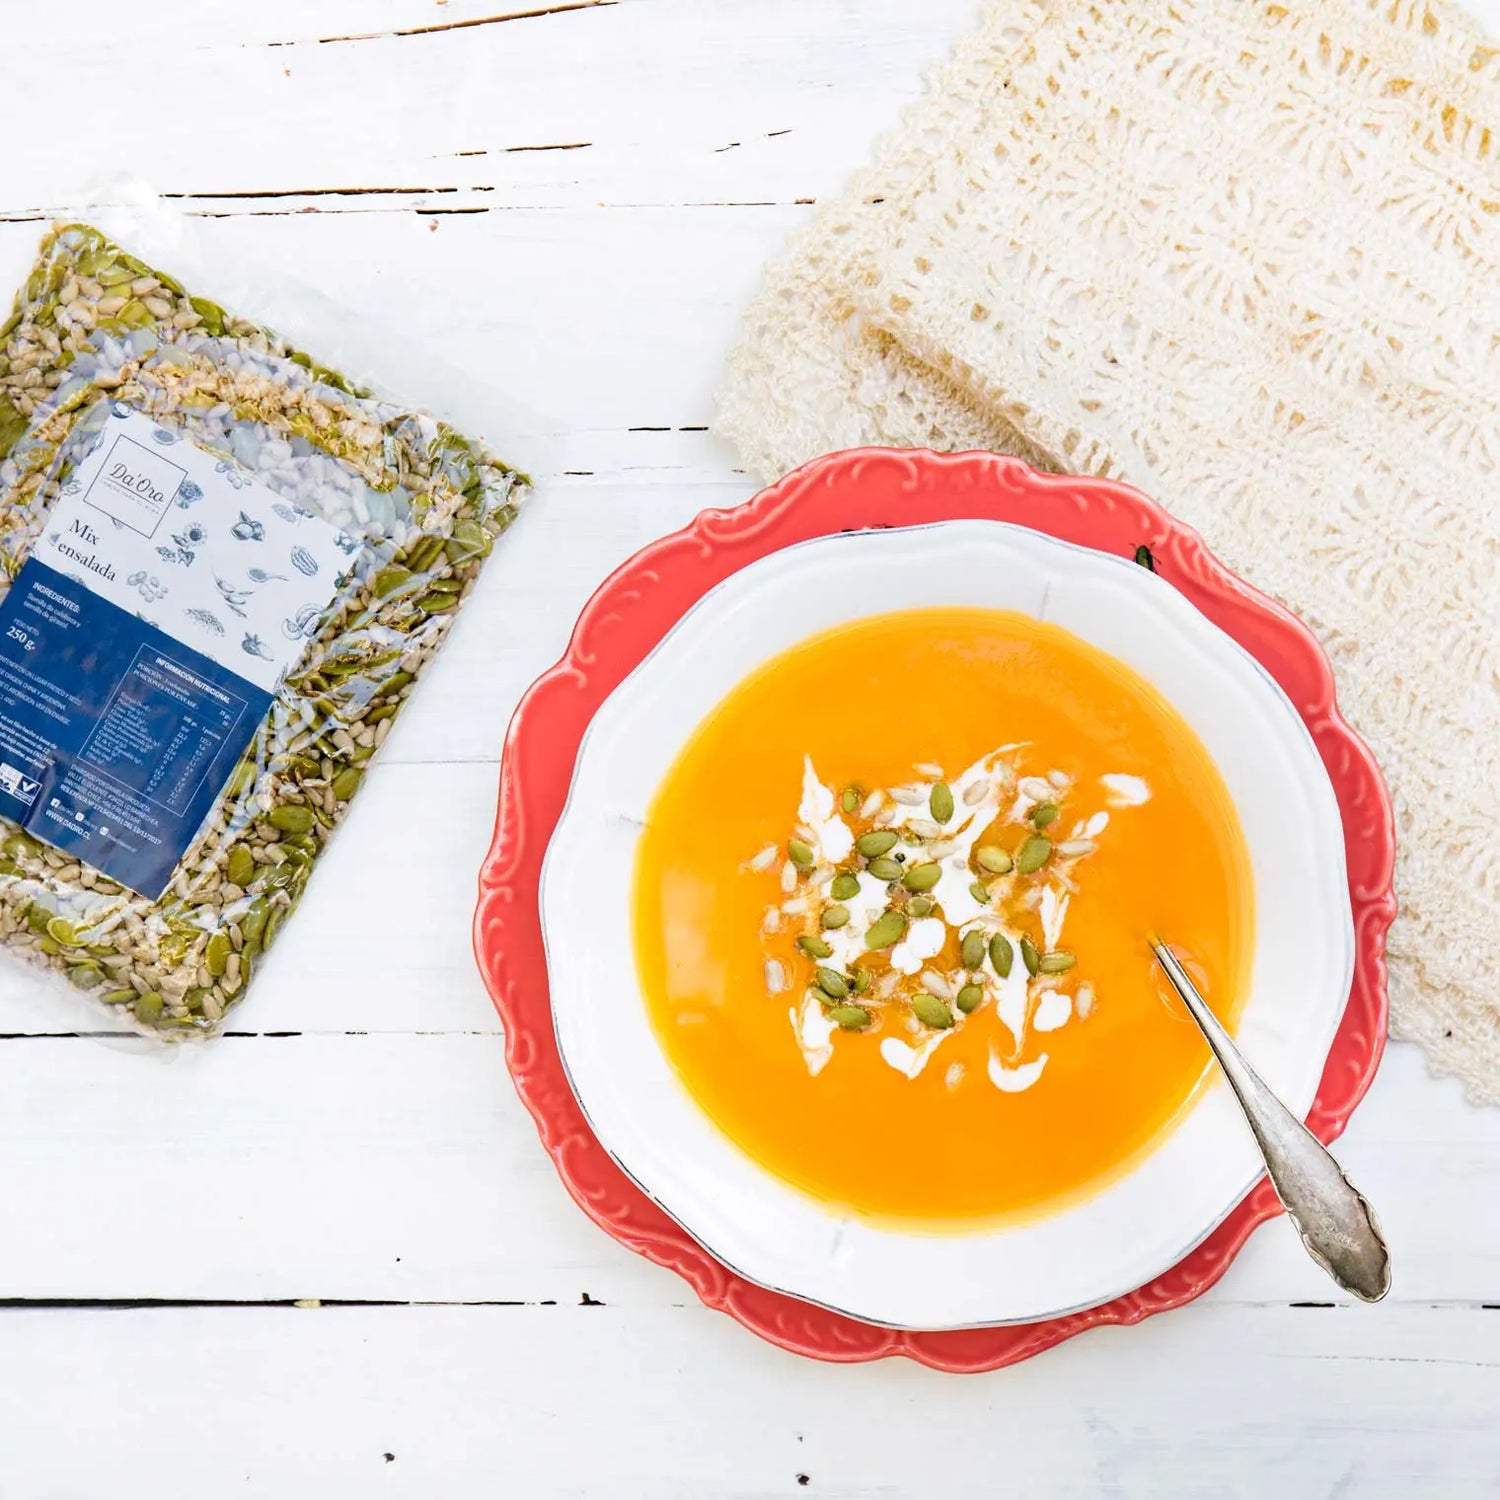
{"x": 134, "y": 485}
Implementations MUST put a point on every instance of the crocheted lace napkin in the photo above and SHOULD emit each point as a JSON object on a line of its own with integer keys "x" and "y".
{"x": 1244, "y": 256}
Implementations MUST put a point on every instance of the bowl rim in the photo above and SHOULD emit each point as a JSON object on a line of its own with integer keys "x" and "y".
{"x": 776, "y": 1236}
{"x": 640, "y": 601}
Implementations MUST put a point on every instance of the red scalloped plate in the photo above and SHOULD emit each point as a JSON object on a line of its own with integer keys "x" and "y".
{"x": 640, "y": 602}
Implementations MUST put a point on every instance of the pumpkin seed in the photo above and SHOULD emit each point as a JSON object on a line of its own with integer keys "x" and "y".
{"x": 1033, "y": 854}
{"x": 834, "y": 917}
{"x": 850, "y": 800}
{"x": 844, "y": 887}
{"x": 1043, "y": 814}
{"x": 980, "y": 892}
{"x": 149, "y": 1007}
{"x": 1002, "y": 955}
{"x": 940, "y": 803}
{"x": 878, "y": 841}
{"x": 883, "y": 868}
{"x": 60, "y": 930}
{"x": 850, "y": 1017}
{"x": 253, "y": 923}
{"x": 832, "y": 983}
{"x": 922, "y": 877}
{"x": 801, "y": 854}
{"x": 859, "y": 981}
{"x": 931, "y": 1011}
{"x": 240, "y": 866}
{"x": 1058, "y": 961}
{"x": 970, "y": 998}
{"x": 814, "y": 947}
{"x": 886, "y": 930}
{"x": 346, "y": 783}
{"x": 971, "y": 949}
{"x": 1030, "y": 957}
{"x": 292, "y": 817}
{"x": 919, "y": 906}
{"x": 216, "y": 953}
{"x": 995, "y": 860}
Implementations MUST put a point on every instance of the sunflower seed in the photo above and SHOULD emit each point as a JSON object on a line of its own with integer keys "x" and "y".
{"x": 789, "y": 876}
{"x": 928, "y": 769}
{"x": 909, "y": 796}
{"x": 1060, "y": 779}
{"x": 765, "y": 859}
{"x": 1083, "y": 1001}
{"x": 974, "y": 793}
{"x": 871, "y": 805}
{"x": 1076, "y": 848}
{"x": 775, "y": 976}
{"x": 1036, "y": 789}
{"x": 937, "y": 984}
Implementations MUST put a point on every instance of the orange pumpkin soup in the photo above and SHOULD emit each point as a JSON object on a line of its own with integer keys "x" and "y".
{"x": 891, "y": 910}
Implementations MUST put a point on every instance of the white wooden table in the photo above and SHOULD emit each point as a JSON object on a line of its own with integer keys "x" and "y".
{"x": 325, "y": 1256}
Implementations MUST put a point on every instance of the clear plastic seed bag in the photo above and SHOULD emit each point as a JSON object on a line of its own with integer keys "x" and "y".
{"x": 223, "y": 568}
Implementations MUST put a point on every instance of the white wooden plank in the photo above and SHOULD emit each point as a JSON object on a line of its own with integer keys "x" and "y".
{"x": 568, "y": 1401}
{"x": 676, "y": 100}
{"x": 191, "y": 24}
{"x": 580, "y": 323}
{"x": 404, "y": 1167}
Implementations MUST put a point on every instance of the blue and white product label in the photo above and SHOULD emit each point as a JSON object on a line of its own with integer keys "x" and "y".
{"x": 143, "y": 640}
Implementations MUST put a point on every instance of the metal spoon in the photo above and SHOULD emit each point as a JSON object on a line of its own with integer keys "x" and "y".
{"x": 1338, "y": 1227}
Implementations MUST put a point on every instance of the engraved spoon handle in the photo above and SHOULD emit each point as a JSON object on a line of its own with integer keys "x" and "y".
{"x": 1337, "y": 1226}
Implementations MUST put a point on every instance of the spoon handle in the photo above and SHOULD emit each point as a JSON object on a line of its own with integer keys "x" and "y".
{"x": 1337, "y": 1226}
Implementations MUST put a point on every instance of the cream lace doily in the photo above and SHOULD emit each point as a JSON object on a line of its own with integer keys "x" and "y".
{"x": 1245, "y": 256}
